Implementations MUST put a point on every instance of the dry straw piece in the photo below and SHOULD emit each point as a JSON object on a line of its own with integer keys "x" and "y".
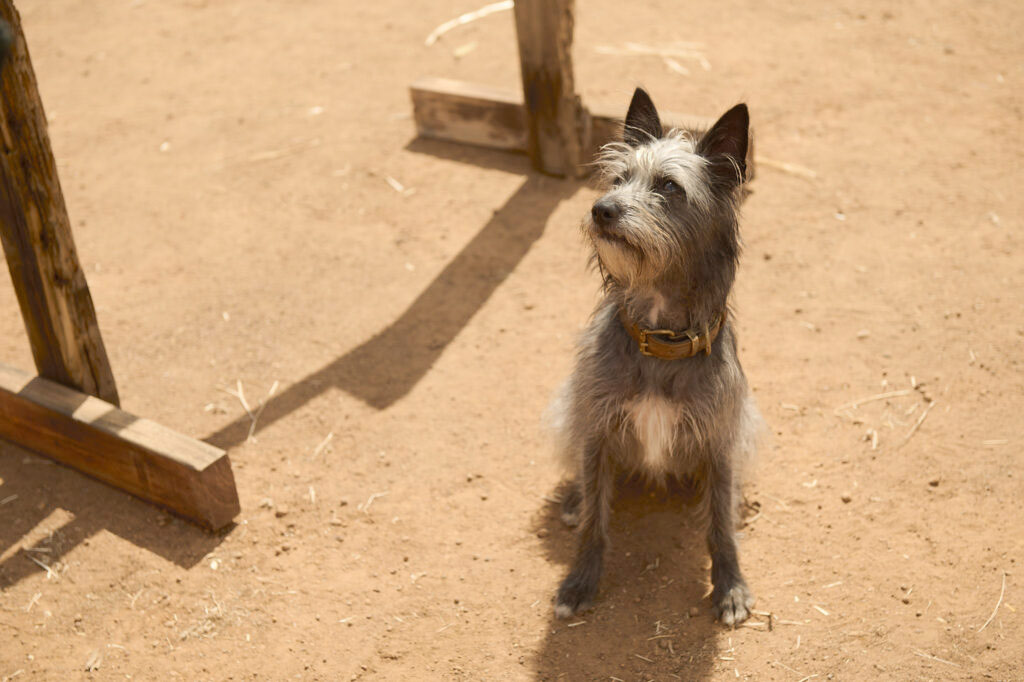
{"x": 466, "y": 18}
{"x": 1002, "y": 591}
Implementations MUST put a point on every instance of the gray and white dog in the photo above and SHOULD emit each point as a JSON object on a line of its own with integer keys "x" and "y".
{"x": 657, "y": 387}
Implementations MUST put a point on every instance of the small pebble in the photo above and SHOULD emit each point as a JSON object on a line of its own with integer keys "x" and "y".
{"x": 694, "y": 612}
{"x": 846, "y": 498}
{"x": 281, "y": 511}
{"x": 543, "y": 533}
{"x": 934, "y": 483}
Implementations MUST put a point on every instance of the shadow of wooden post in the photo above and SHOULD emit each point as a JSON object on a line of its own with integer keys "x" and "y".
{"x": 385, "y": 367}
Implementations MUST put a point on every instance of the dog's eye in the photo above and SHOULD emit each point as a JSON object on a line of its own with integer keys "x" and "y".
{"x": 618, "y": 180}
{"x": 669, "y": 186}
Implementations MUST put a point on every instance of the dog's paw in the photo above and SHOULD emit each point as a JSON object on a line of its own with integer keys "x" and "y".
{"x": 732, "y": 606}
{"x": 574, "y": 596}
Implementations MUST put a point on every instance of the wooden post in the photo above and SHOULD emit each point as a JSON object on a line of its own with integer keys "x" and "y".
{"x": 36, "y": 236}
{"x": 557, "y": 124}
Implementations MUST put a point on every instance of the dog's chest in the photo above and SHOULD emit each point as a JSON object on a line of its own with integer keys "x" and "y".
{"x": 655, "y": 422}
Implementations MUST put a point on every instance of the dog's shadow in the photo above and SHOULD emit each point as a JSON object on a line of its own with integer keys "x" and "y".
{"x": 651, "y": 617}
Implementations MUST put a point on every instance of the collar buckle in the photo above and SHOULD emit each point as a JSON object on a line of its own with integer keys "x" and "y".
{"x": 642, "y": 342}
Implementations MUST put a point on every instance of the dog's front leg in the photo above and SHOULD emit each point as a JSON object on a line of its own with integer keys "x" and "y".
{"x": 730, "y": 596}
{"x": 578, "y": 589}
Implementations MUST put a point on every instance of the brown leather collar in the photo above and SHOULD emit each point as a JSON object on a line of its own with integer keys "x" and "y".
{"x": 666, "y": 344}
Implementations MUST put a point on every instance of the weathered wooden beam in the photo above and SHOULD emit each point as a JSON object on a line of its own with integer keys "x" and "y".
{"x": 187, "y": 476}
{"x": 458, "y": 111}
{"x": 555, "y": 118}
{"x": 36, "y": 235}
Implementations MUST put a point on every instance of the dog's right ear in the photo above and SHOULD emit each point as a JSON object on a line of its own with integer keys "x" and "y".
{"x": 725, "y": 145}
{"x": 642, "y": 122}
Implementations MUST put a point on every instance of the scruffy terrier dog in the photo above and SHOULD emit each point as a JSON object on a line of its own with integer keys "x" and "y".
{"x": 657, "y": 387}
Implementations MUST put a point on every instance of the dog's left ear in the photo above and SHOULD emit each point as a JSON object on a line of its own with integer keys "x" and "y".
{"x": 642, "y": 122}
{"x": 725, "y": 145}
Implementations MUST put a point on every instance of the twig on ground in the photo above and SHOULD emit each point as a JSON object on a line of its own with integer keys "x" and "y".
{"x": 674, "y": 66}
{"x": 871, "y": 398}
{"x": 463, "y": 50}
{"x": 239, "y": 393}
{"x": 753, "y": 624}
{"x": 935, "y": 658}
{"x": 366, "y": 505}
{"x": 1002, "y": 591}
{"x": 49, "y": 571}
{"x": 913, "y": 429}
{"x": 259, "y": 408}
{"x": 465, "y": 19}
{"x": 323, "y": 444}
{"x": 792, "y": 670}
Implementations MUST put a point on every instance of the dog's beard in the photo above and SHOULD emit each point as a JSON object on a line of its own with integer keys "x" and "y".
{"x": 617, "y": 259}
{"x": 622, "y": 257}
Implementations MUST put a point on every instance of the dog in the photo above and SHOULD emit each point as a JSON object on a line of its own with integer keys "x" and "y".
{"x": 657, "y": 387}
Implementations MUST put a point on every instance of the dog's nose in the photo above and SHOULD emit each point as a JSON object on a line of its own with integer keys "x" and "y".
{"x": 605, "y": 212}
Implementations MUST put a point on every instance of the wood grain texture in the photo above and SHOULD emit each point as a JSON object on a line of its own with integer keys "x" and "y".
{"x": 36, "y": 234}
{"x": 187, "y": 476}
{"x": 472, "y": 114}
{"x": 557, "y": 124}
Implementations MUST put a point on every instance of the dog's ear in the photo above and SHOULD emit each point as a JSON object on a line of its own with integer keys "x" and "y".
{"x": 725, "y": 145}
{"x": 642, "y": 122}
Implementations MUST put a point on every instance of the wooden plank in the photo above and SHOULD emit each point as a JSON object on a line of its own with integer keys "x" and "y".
{"x": 187, "y": 476}
{"x": 556, "y": 120}
{"x": 36, "y": 235}
{"x": 472, "y": 114}
{"x": 458, "y": 111}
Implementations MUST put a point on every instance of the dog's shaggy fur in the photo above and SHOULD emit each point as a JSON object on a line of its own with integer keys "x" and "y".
{"x": 665, "y": 238}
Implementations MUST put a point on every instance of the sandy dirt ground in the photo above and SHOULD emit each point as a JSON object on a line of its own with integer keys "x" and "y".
{"x": 226, "y": 164}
